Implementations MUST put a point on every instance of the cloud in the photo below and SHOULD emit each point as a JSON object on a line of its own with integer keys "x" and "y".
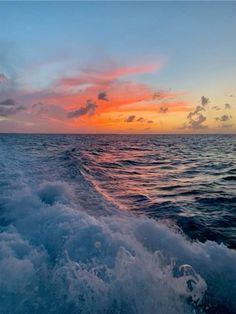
{"x": 197, "y": 123}
{"x": 227, "y": 106}
{"x": 103, "y": 96}
{"x": 163, "y": 94}
{"x": 195, "y": 112}
{"x": 130, "y": 118}
{"x": 195, "y": 119}
{"x": 141, "y": 119}
{"x": 7, "y": 102}
{"x": 163, "y": 109}
{"x": 3, "y": 78}
{"x": 105, "y": 83}
{"x": 204, "y": 100}
{"x": 216, "y": 108}
{"x": 4, "y": 112}
{"x": 110, "y": 87}
{"x": 104, "y": 76}
{"x": 88, "y": 109}
{"x": 224, "y": 118}
{"x": 8, "y": 107}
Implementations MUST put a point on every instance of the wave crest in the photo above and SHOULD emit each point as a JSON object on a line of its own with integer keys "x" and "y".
{"x": 56, "y": 258}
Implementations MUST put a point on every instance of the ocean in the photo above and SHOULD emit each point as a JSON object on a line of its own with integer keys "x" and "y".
{"x": 117, "y": 224}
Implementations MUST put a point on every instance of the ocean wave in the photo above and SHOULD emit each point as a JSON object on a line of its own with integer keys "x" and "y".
{"x": 56, "y": 258}
{"x": 229, "y": 178}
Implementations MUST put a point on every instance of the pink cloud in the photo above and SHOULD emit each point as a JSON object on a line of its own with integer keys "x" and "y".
{"x": 101, "y": 77}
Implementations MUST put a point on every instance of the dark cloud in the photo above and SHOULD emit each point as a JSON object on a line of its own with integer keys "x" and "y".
{"x": 7, "y": 102}
{"x": 197, "y": 110}
{"x": 133, "y": 118}
{"x": 8, "y": 111}
{"x": 227, "y": 106}
{"x": 130, "y": 118}
{"x": 163, "y": 109}
{"x": 3, "y": 78}
{"x": 195, "y": 119}
{"x": 141, "y": 119}
{"x": 216, "y": 108}
{"x": 88, "y": 109}
{"x": 103, "y": 96}
{"x": 204, "y": 101}
{"x": 198, "y": 122}
{"x": 8, "y": 107}
{"x": 224, "y": 118}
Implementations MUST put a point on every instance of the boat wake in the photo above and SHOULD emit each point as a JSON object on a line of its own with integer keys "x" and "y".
{"x": 57, "y": 258}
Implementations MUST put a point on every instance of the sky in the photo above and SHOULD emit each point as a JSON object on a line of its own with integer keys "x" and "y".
{"x": 118, "y": 67}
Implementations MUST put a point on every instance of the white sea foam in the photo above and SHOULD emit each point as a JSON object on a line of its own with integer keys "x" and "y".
{"x": 55, "y": 258}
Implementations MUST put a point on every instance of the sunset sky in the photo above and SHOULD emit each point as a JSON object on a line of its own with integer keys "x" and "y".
{"x": 118, "y": 67}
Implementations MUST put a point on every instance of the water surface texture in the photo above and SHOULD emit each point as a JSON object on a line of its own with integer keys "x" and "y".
{"x": 117, "y": 224}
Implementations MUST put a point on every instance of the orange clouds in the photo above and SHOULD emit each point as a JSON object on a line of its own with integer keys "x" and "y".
{"x": 74, "y": 91}
{"x": 102, "y": 100}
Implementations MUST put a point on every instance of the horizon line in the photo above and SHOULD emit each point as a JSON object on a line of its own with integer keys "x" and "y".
{"x": 58, "y": 133}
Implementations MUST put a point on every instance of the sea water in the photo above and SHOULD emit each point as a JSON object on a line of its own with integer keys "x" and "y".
{"x": 117, "y": 224}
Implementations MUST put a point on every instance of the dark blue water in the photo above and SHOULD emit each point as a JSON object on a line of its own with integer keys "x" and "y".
{"x": 117, "y": 224}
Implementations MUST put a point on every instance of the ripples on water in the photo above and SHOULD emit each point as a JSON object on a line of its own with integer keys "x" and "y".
{"x": 188, "y": 179}
{"x": 75, "y": 229}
